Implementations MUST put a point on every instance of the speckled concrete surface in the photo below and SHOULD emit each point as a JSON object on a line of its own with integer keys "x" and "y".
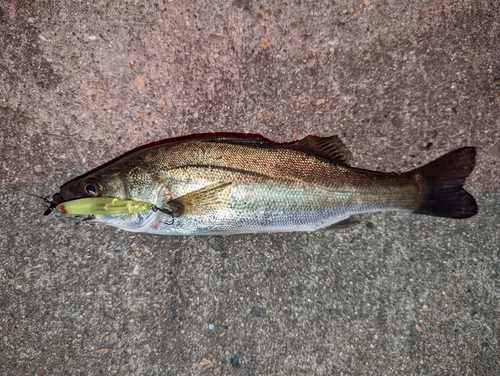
{"x": 400, "y": 82}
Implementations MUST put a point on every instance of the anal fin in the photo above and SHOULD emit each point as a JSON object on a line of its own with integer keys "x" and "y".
{"x": 349, "y": 222}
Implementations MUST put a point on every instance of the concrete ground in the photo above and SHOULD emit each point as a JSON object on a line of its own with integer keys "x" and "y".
{"x": 401, "y": 82}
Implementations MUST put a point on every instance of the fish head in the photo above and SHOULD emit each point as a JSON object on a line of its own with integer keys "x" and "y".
{"x": 130, "y": 181}
{"x": 94, "y": 185}
{"x": 135, "y": 183}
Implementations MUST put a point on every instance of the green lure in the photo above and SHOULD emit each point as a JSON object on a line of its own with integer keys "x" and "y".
{"x": 104, "y": 205}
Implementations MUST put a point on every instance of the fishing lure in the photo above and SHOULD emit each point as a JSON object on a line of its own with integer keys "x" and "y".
{"x": 107, "y": 206}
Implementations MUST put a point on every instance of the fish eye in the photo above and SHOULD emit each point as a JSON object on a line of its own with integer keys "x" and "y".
{"x": 91, "y": 189}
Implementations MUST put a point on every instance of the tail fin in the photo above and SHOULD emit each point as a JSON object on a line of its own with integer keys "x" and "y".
{"x": 445, "y": 177}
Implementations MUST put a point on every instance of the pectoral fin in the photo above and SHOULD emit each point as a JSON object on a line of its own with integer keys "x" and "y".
{"x": 203, "y": 201}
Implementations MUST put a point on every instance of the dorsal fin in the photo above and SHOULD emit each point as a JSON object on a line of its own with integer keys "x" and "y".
{"x": 331, "y": 148}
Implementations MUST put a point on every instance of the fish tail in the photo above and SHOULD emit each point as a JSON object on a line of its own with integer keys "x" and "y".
{"x": 444, "y": 179}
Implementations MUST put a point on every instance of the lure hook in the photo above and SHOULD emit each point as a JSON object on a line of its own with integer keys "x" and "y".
{"x": 166, "y": 211}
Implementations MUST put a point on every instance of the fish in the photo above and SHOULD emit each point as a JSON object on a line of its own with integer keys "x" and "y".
{"x": 225, "y": 183}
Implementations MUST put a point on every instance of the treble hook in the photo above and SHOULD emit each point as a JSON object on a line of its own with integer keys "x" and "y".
{"x": 166, "y": 211}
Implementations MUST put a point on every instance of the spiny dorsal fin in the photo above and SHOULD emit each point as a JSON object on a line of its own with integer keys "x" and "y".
{"x": 331, "y": 148}
{"x": 203, "y": 201}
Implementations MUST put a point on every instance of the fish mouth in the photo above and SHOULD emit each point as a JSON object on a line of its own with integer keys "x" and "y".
{"x": 56, "y": 200}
